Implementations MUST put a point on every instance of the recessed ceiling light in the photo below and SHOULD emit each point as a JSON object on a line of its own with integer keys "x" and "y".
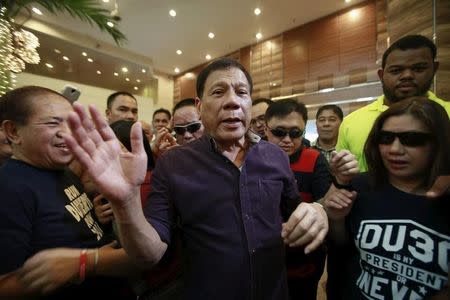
{"x": 258, "y": 36}
{"x": 116, "y": 74}
{"x": 179, "y": 52}
{"x": 172, "y": 13}
{"x": 106, "y": 1}
{"x": 211, "y": 35}
{"x": 127, "y": 79}
{"x": 57, "y": 51}
{"x": 99, "y": 72}
{"x": 37, "y": 11}
{"x": 208, "y": 57}
{"x": 110, "y": 24}
{"x": 257, "y": 11}
{"x": 143, "y": 71}
{"x": 274, "y": 84}
{"x": 177, "y": 70}
{"x": 125, "y": 69}
{"x": 348, "y": 1}
{"x": 136, "y": 88}
{"x": 50, "y": 66}
{"x": 138, "y": 80}
{"x": 90, "y": 60}
{"x": 65, "y": 58}
{"x": 84, "y": 53}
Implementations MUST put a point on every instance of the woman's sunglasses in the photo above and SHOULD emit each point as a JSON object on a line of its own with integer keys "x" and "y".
{"x": 191, "y": 128}
{"x": 293, "y": 133}
{"x": 407, "y": 138}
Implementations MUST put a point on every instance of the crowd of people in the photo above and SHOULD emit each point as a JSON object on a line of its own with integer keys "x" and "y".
{"x": 224, "y": 197}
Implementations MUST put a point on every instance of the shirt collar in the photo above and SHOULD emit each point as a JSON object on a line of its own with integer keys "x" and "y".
{"x": 251, "y": 137}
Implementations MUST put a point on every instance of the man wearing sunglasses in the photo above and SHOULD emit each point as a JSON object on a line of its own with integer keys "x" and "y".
{"x": 285, "y": 126}
{"x": 186, "y": 121}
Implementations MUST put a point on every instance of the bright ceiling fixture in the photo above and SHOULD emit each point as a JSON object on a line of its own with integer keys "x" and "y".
{"x": 50, "y": 66}
{"x": 143, "y": 71}
{"x": 99, "y": 72}
{"x": 259, "y": 36}
{"x": 116, "y": 74}
{"x": 124, "y": 69}
{"x": 110, "y": 24}
{"x": 66, "y": 58}
{"x": 211, "y": 35}
{"x": 105, "y": 1}
{"x": 57, "y": 51}
{"x": 138, "y": 80}
{"x": 348, "y": 1}
{"x": 179, "y": 52}
{"x": 84, "y": 53}
{"x": 127, "y": 79}
{"x": 136, "y": 88}
{"x": 257, "y": 11}
{"x": 177, "y": 70}
{"x": 208, "y": 57}
{"x": 172, "y": 13}
{"x": 37, "y": 11}
{"x": 90, "y": 60}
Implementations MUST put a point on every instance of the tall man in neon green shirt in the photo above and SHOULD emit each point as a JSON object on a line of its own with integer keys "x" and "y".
{"x": 408, "y": 68}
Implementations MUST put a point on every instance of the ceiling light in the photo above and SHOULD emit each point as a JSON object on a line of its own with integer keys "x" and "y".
{"x": 257, "y": 11}
{"x": 124, "y": 69}
{"x": 84, "y": 53}
{"x": 90, "y": 60}
{"x": 136, "y": 88}
{"x": 106, "y": 1}
{"x": 211, "y": 35}
{"x": 110, "y": 24}
{"x": 177, "y": 70}
{"x": 138, "y": 80}
{"x": 99, "y": 72}
{"x": 172, "y": 13}
{"x": 116, "y": 74}
{"x": 65, "y": 58}
{"x": 127, "y": 79}
{"x": 179, "y": 52}
{"x": 189, "y": 75}
{"x": 208, "y": 57}
{"x": 57, "y": 51}
{"x": 143, "y": 71}
{"x": 50, "y": 66}
{"x": 348, "y": 1}
{"x": 37, "y": 11}
{"x": 258, "y": 36}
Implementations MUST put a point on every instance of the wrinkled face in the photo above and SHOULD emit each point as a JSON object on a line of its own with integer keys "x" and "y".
{"x": 327, "y": 125}
{"x": 258, "y": 123}
{"x": 182, "y": 119}
{"x": 122, "y": 108}
{"x": 5, "y": 147}
{"x": 40, "y": 142}
{"x": 293, "y": 121}
{"x": 407, "y": 73}
{"x": 405, "y": 163}
{"x": 225, "y": 107}
{"x": 160, "y": 120}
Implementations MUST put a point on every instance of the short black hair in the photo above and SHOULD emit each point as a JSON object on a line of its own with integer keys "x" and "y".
{"x": 162, "y": 110}
{"x": 113, "y": 97}
{"x": 336, "y": 109}
{"x": 183, "y": 103}
{"x": 282, "y": 108}
{"x": 220, "y": 64}
{"x": 410, "y": 42}
{"x": 262, "y": 100}
{"x": 17, "y": 105}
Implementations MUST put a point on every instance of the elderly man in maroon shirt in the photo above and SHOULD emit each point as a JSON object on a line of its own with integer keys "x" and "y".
{"x": 229, "y": 191}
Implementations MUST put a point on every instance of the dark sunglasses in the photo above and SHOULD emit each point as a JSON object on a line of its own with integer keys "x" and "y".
{"x": 407, "y": 138}
{"x": 191, "y": 128}
{"x": 293, "y": 133}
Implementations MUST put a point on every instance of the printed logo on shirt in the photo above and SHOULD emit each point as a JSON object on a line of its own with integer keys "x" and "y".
{"x": 81, "y": 208}
{"x": 401, "y": 259}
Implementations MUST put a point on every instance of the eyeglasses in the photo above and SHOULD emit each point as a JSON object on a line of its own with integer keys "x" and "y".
{"x": 191, "y": 128}
{"x": 259, "y": 119}
{"x": 293, "y": 133}
{"x": 407, "y": 138}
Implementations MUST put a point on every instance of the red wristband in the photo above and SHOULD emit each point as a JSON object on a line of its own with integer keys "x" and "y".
{"x": 83, "y": 262}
